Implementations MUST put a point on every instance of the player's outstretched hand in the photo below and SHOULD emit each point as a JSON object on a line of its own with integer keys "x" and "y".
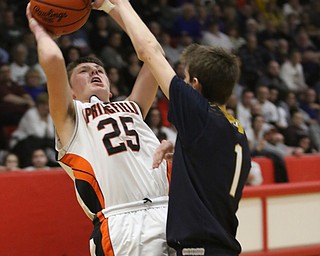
{"x": 164, "y": 151}
{"x": 34, "y": 26}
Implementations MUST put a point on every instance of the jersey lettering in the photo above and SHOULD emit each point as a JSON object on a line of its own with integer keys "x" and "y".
{"x": 237, "y": 171}
{"x": 98, "y": 109}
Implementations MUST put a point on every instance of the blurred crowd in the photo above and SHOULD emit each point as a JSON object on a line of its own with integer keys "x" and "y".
{"x": 276, "y": 98}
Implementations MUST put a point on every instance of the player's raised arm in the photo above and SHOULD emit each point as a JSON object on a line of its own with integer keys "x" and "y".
{"x": 146, "y": 45}
{"x": 146, "y": 86}
{"x": 53, "y": 64}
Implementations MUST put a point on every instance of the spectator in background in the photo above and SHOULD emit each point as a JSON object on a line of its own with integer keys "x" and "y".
{"x": 236, "y": 39}
{"x": 282, "y": 51}
{"x": 11, "y": 33}
{"x": 71, "y": 53}
{"x": 10, "y": 163}
{"x": 165, "y": 14}
{"x": 131, "y": 70}
{"x": 269, "y": 110}
{"x": 118, "y": 90}
{"x": 154, "y": 121}
{"x": 271, "y": 11}
{"x": 35, "y": 130}
{"x": 275, "y": 143}
{"x": 253, "y": 60}
{"x": 172, "y": 53}
{"x": 291, "y": 72}
{"x": 32, "y": 57}
{"x": 182, "y": 41}
{"x": 203, "y": 16}
{"x": 232, "y": 103}
{"x": 255, "y": 177}
{"x": 268, "y": 37}
{"x": 18, "y": 65}
{"x": 30, "y": 43}
{"x": 155, "y": 28}
{"x": 252, "y": 27}
{"x": 244, "y": 106}
{"x": 271, "y": 78}
{"x": 282, "y": 122}
{"x": 292, "y": 6}
{"x": 305, "y": 143}
{"x": 309, "y": 104}
{"x": 310, "y": 56}
{"x": 64, "y": 42}
{"x": 314, "y": 130}
{"x": 290, "y": 26}
{"x": 315, "y": 13}
{"x": 111, "y": 53}
{"x": 187, "y": 22}
{"x": 245, "y": 12}
{"x": 290, "y": 105}
{"x": 98, "y": 35}
{"x": 259, "y": 146}
{"x": 230, "y": 18}
{"x": 295, "y": 129}
{"x": 39, "y": 161}
{"x": 214, "y": 37}
{"x": 14, "y": 100}
{"x": 33, "y": 85}
{"x": 80, "y": 39}
{"x": 4, "y": 56}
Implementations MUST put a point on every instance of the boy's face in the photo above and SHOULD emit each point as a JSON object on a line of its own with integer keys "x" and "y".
{"x": 89, "y": 79}
{"x": 39, "y": 159}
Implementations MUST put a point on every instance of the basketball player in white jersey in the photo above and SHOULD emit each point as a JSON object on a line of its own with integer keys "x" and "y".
{"x": 107, "y": 150}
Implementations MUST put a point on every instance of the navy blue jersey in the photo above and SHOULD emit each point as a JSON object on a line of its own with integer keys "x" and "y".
{"x": 209, "y": 170}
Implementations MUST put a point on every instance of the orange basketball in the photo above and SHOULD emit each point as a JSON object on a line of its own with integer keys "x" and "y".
{"x": 61, "y": 17}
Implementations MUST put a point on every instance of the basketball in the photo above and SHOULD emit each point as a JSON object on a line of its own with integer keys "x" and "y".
{"x": 61, "y": 17}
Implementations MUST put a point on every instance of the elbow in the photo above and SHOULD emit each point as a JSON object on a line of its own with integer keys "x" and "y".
{"x": 145, "y": 50}
{"x": 51, "y": 59}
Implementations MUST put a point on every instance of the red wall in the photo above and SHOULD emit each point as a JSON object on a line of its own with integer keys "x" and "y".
{"x": 40, "y": 215}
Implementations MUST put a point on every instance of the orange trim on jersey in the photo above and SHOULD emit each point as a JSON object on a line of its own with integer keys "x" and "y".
{"x": 169, "y": 170}
{"x": 100, "y": 216}
{"x": 106, "y": 241}
{"x": 82, "y": 170}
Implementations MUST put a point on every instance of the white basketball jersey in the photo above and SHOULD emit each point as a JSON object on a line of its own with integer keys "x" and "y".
{"x": 110, "y": 156}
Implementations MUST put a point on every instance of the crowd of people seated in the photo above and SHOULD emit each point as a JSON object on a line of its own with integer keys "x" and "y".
{"x": 276, "y": 98}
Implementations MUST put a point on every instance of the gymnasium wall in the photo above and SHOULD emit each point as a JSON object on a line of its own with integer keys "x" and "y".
{"x": 41, "y": 216}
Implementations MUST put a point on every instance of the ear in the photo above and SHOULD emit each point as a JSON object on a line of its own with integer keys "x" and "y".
{"x": 196, "y": 85}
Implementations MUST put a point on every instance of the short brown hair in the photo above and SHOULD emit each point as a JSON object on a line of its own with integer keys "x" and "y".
{"x": 89, "y": 59}
{"x": 216, "y": 69}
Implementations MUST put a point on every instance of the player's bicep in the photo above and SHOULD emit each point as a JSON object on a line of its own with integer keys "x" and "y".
{"x": 61, "y": 105}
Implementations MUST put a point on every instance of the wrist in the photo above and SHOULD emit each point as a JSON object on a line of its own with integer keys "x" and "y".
{"x": 107, "y": 6}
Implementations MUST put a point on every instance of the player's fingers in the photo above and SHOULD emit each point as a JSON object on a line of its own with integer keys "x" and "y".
{"x": 97, "y": 4}
{"x": 28, "y": 13}
{"x": 168, "y": 156}
{"x": 31, "y": 20}
{"x": 158, "y": 156}
{"x": 165, "y": 147}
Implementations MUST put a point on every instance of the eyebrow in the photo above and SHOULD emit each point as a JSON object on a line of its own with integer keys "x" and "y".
{"x": 89, "y": 66}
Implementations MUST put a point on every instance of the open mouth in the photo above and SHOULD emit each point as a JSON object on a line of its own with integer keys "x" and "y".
{"x": 96, "y": 80}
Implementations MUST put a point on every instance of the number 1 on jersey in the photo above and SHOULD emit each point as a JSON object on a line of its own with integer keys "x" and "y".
{"x": 236, "y": 176}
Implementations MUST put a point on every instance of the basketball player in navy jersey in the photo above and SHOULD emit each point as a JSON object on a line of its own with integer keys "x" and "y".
{"x": 211, "y": 158}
